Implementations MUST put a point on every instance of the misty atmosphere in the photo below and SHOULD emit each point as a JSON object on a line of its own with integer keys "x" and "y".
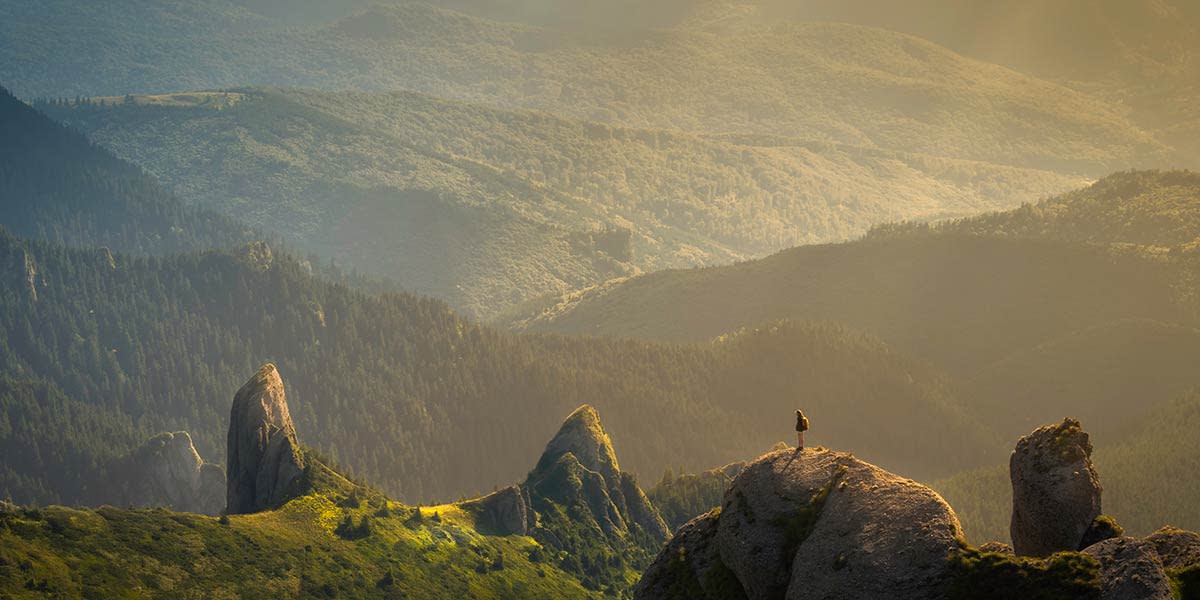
{"x": 669, "y": 300}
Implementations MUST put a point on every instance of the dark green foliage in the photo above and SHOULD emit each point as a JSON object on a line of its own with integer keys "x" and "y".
{"x": 679, "y": 499}
{"x": 56, "y": 185}
{"x": 1103, "y": 528}
{"x": 347, "y": 529}
{"x": 1186, "y": 582}
{"x": 979, "y": 575}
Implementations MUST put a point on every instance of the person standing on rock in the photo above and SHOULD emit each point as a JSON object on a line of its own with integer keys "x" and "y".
{"x": 801, "y": 427}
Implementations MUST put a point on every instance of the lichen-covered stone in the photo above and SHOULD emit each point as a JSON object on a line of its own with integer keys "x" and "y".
{"x": 1130, "y": 569}
{"x": 1056, "y": 491}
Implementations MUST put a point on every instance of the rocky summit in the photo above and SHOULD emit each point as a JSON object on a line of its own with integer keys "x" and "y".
{"x": 1056, "y": 491}
{"x": 168, "y": 472}
{"x": 579, "y": 468}
{"x": 265, "y": 465}
{"x": 820, "y": 524}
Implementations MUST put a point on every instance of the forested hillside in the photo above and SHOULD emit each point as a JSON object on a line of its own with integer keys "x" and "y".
{"x": 406, "y": 394}
{"x": 828, "y": 82}
{"x": 56, "y": 185}
{"x": 487, "y": 208}
{"x": 1083, "y": 304}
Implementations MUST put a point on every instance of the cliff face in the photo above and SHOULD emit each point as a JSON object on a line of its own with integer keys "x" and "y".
{"x": 168, "y": 472}
{"x": 265, "y": 466}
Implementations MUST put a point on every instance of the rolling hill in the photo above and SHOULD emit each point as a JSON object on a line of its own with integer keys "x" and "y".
{"x": 1082, "y": 304}
{"x": 808, "y": 81}
{"x": 487, "y": 208}
{"x": 127, "y": 345}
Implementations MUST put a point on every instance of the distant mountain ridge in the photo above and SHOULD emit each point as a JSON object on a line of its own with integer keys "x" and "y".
{"x": 830, "y": 82}
{"x": 486, "y": 208}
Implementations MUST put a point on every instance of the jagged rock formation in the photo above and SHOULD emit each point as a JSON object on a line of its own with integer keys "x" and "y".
{"x": 1130, "y": 569}
{"x": 168, "y": 472}
{"x": 1056, "y": 491}
{"x": 579, "y": 468}
{"x": 825, "y": 525}
{"x": 505, "y": 512}
{"x": 256, "y": 255}
{"x": 265, "y": 464}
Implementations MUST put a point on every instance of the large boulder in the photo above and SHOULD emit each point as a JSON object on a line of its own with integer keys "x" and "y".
{"x": 1130, "y": 569}
{"x": 879, "y": 535}
{"x": 265, "y": 467}
{"x": 1056, "y": 491}
{"x": 820, "y": 524}
{"x": 168, "y": 472}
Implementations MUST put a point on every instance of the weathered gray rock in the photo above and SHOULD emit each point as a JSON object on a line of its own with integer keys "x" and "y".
{"x": 762, "y": 498}
{"x": 1056, "y": 491}
{"x": 824, "y": 525}
{"x": 501, "y": 513}
{"x": 1130, "y": 569}
{"x": 879, "y": 535}
{"x": 690, "y": 566}
{"x": 1176, "y": 547}
{"x": 168, "y": 472}
{"x": 265, "y": 465}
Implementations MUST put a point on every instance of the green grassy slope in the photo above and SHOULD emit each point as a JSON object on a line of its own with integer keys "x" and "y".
{"x": 296, "y": 551}
{"x": 486, "y": 207}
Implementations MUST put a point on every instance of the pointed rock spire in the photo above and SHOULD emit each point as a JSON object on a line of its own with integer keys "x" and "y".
{"x": 579, "y": 467}
{"x": 264, "y": 464}
{"x": 582, "y": 434}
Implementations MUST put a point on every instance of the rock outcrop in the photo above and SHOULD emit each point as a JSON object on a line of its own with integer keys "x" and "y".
{"x": 825, "y": 525}
{"x": 265, "y": 466}
{"x": 580, "y": 468}
{"x": 1130, "y": 569}
{"x": 1176, "y": 547}
{"x": 1056, "y": 491}
{"x": 168, "y": 472}
{"x": 504, "y": 512}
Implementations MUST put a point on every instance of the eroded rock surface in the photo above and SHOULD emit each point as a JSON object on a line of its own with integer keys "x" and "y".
{"x": 818, "y": 525}
{"x": 265, "y": 466}
{"x": 1056, "y": 491}
{"x": 1130, "y": 569}
{"x": 168, "y": 472}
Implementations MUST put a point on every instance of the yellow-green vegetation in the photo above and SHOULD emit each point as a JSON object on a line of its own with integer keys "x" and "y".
{"x": 978, "y": 575}
{"x": 485, "y": 207}
{"x": 295, "y": 551}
